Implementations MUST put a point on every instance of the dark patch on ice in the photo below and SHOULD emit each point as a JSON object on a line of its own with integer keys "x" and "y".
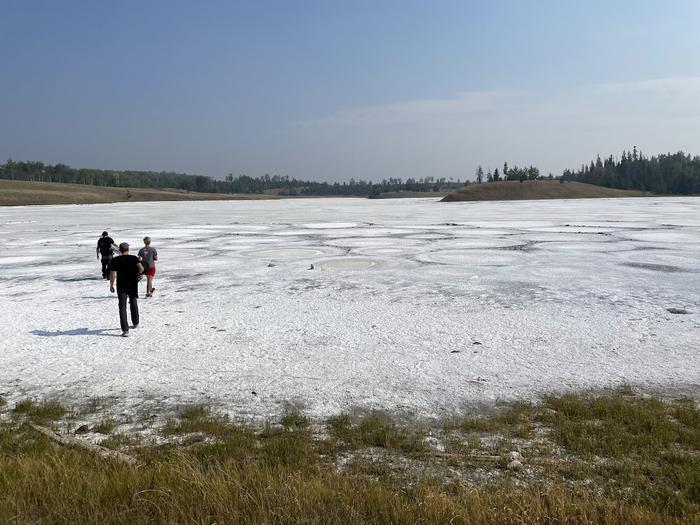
{"x": 22, "y": 279}
{"x": 584, "y": 226}
{"x": 667, "y": 268}
{"x": 184, "y": 276}
{"x": 526, "y": 247}
{"x": 25, "y": 294}
{"x": 305, "y": 284}
{"x": 422, "y": 262}
{"x": 78, "y": 278}
{"x": 677, "y": 311}
{"x": 647, "y": 248}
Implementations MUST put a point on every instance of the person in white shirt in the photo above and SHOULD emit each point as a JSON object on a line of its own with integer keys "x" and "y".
{"x": 148, "y": 256}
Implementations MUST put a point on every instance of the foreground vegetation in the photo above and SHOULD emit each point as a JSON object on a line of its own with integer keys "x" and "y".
{"x": 614, "y": 457}
{"x": 534, "y": 190}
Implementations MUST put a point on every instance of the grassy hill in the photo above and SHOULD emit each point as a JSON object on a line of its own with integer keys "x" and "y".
{"x": 410, "y": 194}
{"x": 535, "y": 189}
{"x": 23, "y": 193}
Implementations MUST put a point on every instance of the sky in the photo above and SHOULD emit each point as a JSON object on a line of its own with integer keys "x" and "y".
{"x": 327, "y": 90}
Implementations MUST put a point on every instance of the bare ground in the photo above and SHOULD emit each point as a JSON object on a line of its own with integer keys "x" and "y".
{"x": 25, "y": 193}
{"x": 534, "y": 190}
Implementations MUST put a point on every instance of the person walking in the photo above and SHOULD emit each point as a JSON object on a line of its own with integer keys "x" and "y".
{"x": 126, "y": 270}
{"x": 105, "y": 248}
{"x": 148, "y": 256}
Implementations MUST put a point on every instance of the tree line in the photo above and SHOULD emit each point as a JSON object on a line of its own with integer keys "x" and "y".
{"x": 514, "y": 173}
{"x": 676, "y": 173}
{"x": 279, "y": 184}
{"x": 670, "y": 173}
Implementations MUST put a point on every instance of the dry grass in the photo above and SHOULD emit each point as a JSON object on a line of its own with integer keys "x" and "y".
{"x": 410, "y": 194}
{"x": 24, "y": 193}
{"x": 535, "y": 190}
{"x": 613, "y": 458}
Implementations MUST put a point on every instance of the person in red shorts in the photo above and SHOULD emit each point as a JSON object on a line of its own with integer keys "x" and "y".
{"x": 148, "y": 256}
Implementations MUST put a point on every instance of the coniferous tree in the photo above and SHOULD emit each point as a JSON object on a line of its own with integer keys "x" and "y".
{"x": 670, "y": 173}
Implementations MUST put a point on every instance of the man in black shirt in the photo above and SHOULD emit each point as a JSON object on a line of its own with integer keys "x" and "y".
{"x": 105, "y": 248}
{"x": 126, "y": 269}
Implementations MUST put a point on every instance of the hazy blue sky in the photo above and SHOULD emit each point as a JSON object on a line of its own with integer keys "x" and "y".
{"x": 333, "y": 90}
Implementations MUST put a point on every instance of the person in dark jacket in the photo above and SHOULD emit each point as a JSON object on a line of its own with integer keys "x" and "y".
{"x": 126, "y": 270}
{"x": 105, "y": 248}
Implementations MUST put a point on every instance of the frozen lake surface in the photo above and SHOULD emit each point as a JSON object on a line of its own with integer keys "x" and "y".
{"x": 411, "y": 305}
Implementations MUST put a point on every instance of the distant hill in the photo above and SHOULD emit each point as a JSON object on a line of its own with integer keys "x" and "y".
{"x": 24, "y": 193}
{"x": 534, "y": 190}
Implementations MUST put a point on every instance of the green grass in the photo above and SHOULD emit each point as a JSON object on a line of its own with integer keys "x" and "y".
{"x": 287, "y": 448}
{"x": 198, "y": 419}
{"x": 514, "y": 420}
{"x": 618, "y": 426}
{"x": 376, "y": 430}
{"x": 608, "y": 458}
{"x": 44, "y": 412}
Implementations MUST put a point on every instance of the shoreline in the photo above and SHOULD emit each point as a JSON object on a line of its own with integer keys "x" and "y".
{"x": 165, "y": 407}
{"x": 616, "y": 456}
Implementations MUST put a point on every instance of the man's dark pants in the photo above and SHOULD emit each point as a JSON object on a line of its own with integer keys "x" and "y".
{"x": 106, "y": 263}
{"x": 132, "y": 296}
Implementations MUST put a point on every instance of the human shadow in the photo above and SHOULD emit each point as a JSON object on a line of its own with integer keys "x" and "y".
{"x": 102, "y": 332}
